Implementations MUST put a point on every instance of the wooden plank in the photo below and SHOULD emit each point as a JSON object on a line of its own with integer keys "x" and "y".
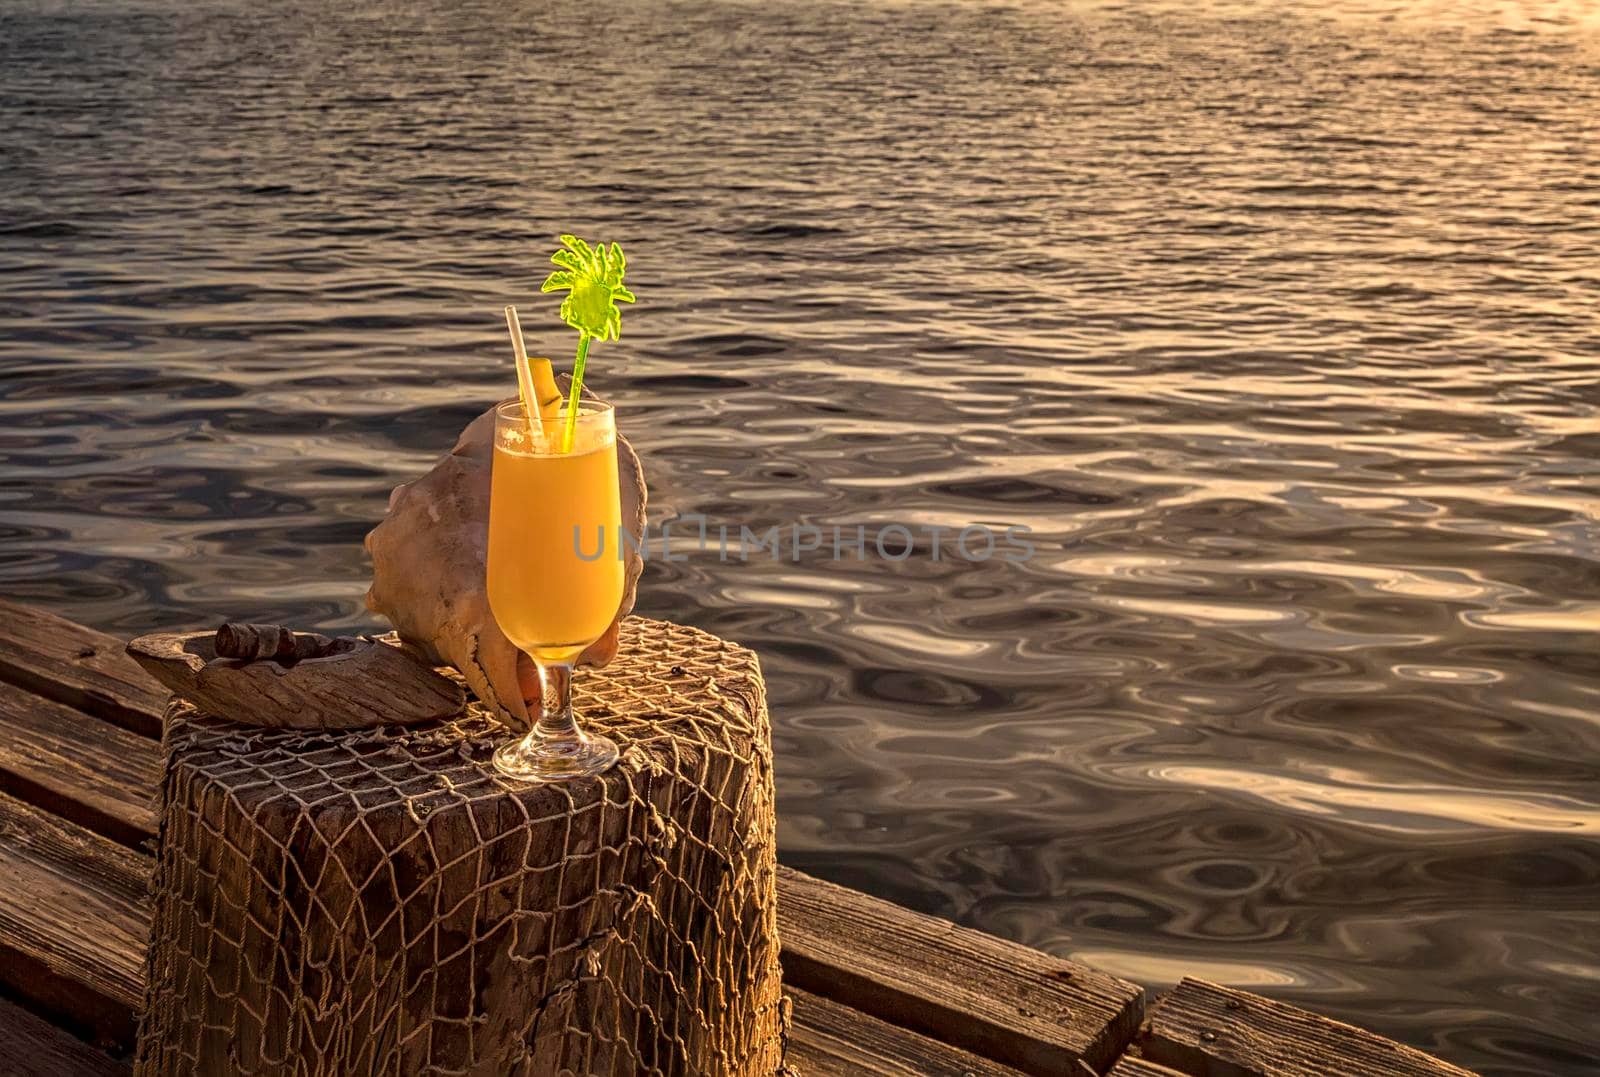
{"x": 73, "y": 920}
{"x": 76, "y": 790}
{"x": 830, "y": 1040}
{"x": 962, "y": 987}
{"x": 1132, "y": 1066}
{"x": 83, "y": 769}
{"x": 987, "y": 996}
{"x": 1205, "y": 1030}
{"x": 56, "y": 658}
{"x": 1038, "y": 1013}
{"x": 32, "y": 1047}
{"x": 76, "y": 905}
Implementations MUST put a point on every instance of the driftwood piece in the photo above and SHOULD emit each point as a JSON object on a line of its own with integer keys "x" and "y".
{"x": 429, "y": 557}
{"x": 383, "y": 901}
{"x": 355, "y": 684}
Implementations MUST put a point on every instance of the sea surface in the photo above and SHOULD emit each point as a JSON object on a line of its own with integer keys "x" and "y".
{"x": 1278, "y": 325}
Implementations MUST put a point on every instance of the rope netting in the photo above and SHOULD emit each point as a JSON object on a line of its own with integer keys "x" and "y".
{"x": 382, "y": 901}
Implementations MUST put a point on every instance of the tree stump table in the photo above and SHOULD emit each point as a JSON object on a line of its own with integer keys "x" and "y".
{"x": 382, "y": 901}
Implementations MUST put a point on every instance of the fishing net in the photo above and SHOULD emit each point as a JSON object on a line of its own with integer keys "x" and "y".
{"x": 383, "y": 902}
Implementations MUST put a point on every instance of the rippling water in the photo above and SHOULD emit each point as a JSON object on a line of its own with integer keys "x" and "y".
{"x": 1278, "y": 329}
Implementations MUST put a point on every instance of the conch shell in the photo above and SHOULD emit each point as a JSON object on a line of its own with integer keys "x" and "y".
{"x": 428, "y": 558}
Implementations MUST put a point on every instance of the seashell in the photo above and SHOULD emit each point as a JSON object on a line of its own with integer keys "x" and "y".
{"x": 351, "y": 683}
{"x": 428, "y": 564}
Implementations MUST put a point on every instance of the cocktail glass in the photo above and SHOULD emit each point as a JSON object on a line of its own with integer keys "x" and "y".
{"x": 555, "y": 573}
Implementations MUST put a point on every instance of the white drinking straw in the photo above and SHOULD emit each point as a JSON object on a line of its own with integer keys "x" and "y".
{"x": 530, "y": 406}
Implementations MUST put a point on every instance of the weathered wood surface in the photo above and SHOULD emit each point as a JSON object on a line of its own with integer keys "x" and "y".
{"x": 1017, "y": 1005}
{"x": 383, "y": 901}
{"x": 73, "y": 919}
{"x": 80, "y": 767}
{"x": 842, "y": 1042}
{"x": 367, "y": 683}
{"x": 813, "y": 960}
{"x": 32, "y": 1047}
{"x": 56, "y": 658}
{"x": 64, "y": 661}
{"x": 1131, "y": 1066}
{"x": 1202, "y": 1029}
{"x": 101, "y": 978}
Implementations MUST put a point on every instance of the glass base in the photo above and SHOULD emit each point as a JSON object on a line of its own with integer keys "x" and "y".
{"x": 534, "y": 760}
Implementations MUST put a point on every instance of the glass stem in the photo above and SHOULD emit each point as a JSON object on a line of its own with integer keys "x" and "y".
{"x": 555, "y": 703}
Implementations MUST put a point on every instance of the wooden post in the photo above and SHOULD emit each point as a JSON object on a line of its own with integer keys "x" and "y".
{"x": 382, "y": 901}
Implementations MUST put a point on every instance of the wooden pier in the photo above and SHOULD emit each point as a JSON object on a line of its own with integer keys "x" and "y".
{"x": 874, "y": 988}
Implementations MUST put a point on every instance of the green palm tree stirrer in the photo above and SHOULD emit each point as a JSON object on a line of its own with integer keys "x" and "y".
{"x": 593, "y": 279}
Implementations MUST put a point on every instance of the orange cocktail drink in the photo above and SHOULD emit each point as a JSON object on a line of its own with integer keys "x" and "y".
{"x": 555, "y": 520}
{"x": 555, "y": 571}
